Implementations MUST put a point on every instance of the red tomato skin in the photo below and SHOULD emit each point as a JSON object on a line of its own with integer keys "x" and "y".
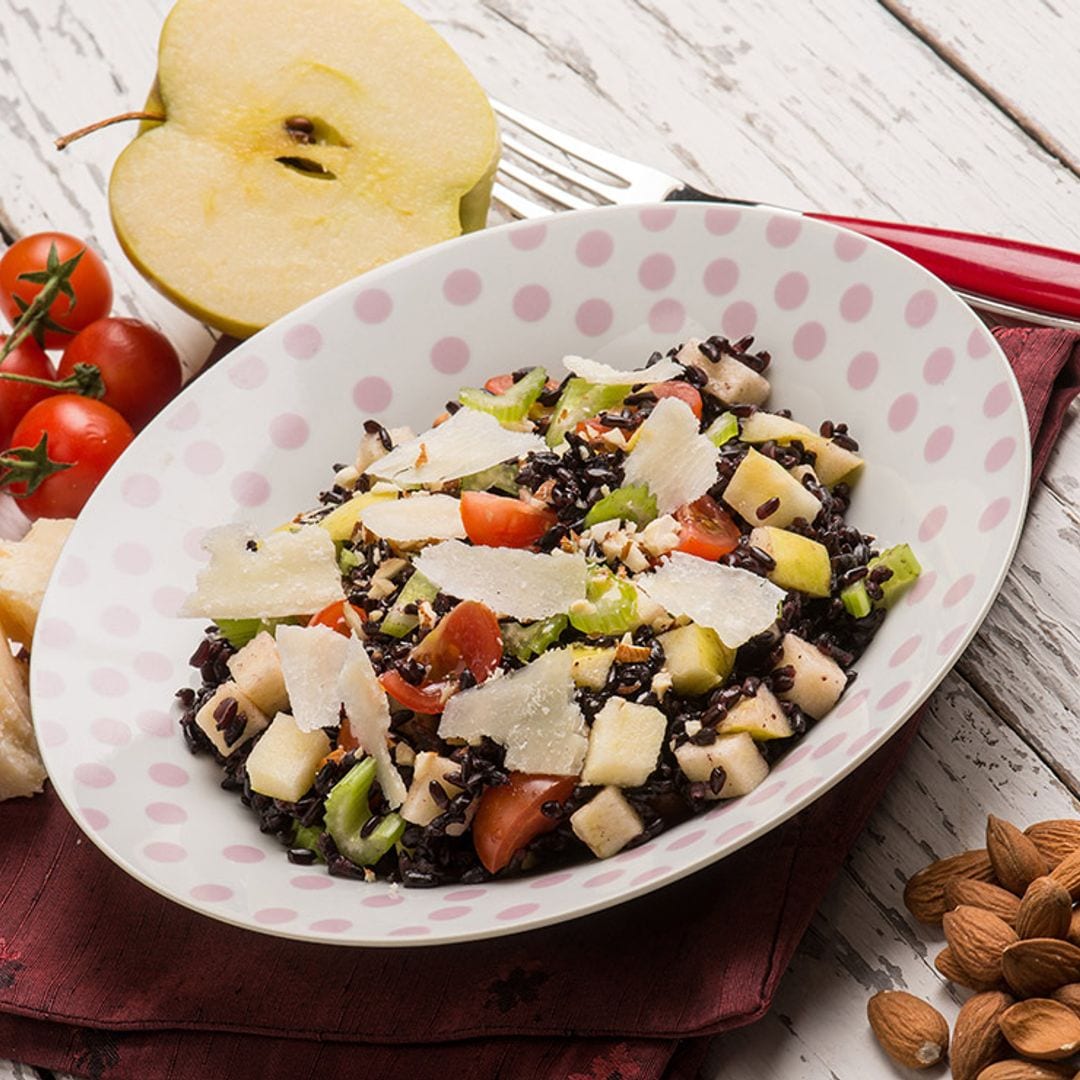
{"x": 81, "y": 431}
{"x": 707, "y": 530}
{"x": 16, "y": 399}
{"x": 333, "y": 615}
{"x": 138, "y": 363}
{"x": 509, "y": 816}
{"x": 429, "y": 698}
{"x": 503, "y": 521}
{"x": 90, "y": 281}
{"x": 683, "y": 391}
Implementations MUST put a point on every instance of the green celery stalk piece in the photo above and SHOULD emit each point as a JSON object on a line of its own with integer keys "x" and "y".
{"x": 632, "y": 503}
{"x": 348, "y": 811}
{"x": 856, "y": 600}
{"x": 238, "y": 632}
{"x": 307, "y": 836}
{"x": 581, "y": 400}
{"x": 614, "y": 608}
{"x": 347, "y": 559}
{"x": 905, "y": 566}
{"x": 525, "y": 642}
{"x": 397, "y": 623}
{"x": 514, "y": 404}
{"x": 723, "y": 429}
{"x": 499, "y": 477}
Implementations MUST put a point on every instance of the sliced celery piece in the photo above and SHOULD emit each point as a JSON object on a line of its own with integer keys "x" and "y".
{"x": 397, "y": 622}
{"x": 856, "y": 600}
{"x": 631, "y": 503}
{"x": 307, "y": 836}
{"x": 525, "y": 642}
{"x": 723, "y": 429}
{"x": 511, "y": 406}
{"x": 348, "y": 811}
{"x": 612, "y": 606}
{"x": 579, "y": 401}
{"x": 347, "y": 559}
{"x": 905, "y": 571}
{"x": 238, "y": 632}
{"x": 499, "y": 478}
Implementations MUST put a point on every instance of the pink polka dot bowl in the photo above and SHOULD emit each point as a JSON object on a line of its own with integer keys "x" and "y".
{"x": 857, "y": 333}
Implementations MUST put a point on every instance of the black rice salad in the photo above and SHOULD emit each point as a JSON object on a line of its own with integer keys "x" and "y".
{"x": 572, "y": 614}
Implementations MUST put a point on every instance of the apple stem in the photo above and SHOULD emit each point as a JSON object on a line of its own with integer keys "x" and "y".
{"x": 66, "y": 140}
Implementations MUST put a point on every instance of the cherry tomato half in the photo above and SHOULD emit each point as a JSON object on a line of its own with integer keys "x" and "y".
{"x": 706, "y": 529}
{"x": 503, "y": 521}
{"x": 333, "y": 615}
{"x": 80, "y": 431}
{"x": 429, "y": 698}
{"x": 680, "y": 390}
{"x": 16, "y": 398}
{"x": 509, "y": 816}
{"x": 139, "y": 365}
{"x": 90, "y": 282}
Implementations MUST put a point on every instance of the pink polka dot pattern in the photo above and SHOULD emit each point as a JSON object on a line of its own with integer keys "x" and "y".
{"x": 739, "y": 319}
{"x": 74, "y": 572}
{"x": 193, "y": 540}
{"x": 863, "y": 741}
{"x": 166, "y": 813}
{"x": 248, "y": 373}
{"x": 922, "y": 588}
{"x": 154, "y": 666}
{"x": 303, "y": 341}
{"x": 461, "y": 895}
{"x": 800, "y": 791}
{"x": 933, "y": 523}
{"x": 994, "y": 514}
{"x": 829, "y": 746}
{"x": 721, "y": 276}
{"x": 158, "y": 723}
{"x": 790, "y": 759}
{"x": 958, "y": 590}
{"x": 141, "y": 490}
{"x": 939, "y": 443}
{"x": 606, "y": 878}
{"x": 666, "y": 316}
{"x": 311, "y": 881}
{"x": 906, "y": 651}
{"x": 250, "y": 488}
{"x": 902, "y": 412}
{"x": 921, "y": 308}
{"x": 594, "y": 317}
{"x": 95, "y": 775}
{"x": 383, "y": 900}
{"x": 204, "y": 458}
{"x": 462, "y": 287}
{"x": 952, "y": 639}
{"x": 274, "y": 916}
{"x": 185, "y": 417}
{"x": 977, "y": 345}
{"x": 848, "y": 246}
{"x": 528, "y": 237}
{"x": 109, "y": 682}
{"x": 656, "y": 271}
{"x": 167, "y": 600}
{"x": 863, "y": 370}
{"x": 728, "y": 835}
{"x": 721, "y": 220}
{"x": 997, "y": 400}
{"x": 939, "y": 365}
{"x": 688, "y": 840}
{"x": 211, "y": 893}
{"x": 851, "y": 703}
{"x": 48, "y": 684}
{"x": 594, "y": 248}
{"x": 96, "y": 819}
{"x": 657, "y": 218}
{"x": 58, "y": 633}
{"x": 132, "y": 558}
{"x": 893, "y": 696}
{"x": 516, "y": 911}
{"x": 50, "y": 733}
{"x": 449, "y": 355}
{"x": 331, "y": 926}
{"x": 809, "y": 341}
{"x": 455, "y": 911}
{"x": 767, "y": 791}
{"x": 791, "y": 290}
{"x": 110, "y": 731}
{"x": 531, "y": 303}
{"x": 1000, "y": 454}
{"x": 167, "y": 774}
{"x": 551, "y": 880}
{"x": 783, "y": 230}
{"x": 372, "y": 394}
{"x": 856, "y": 302}
{"x": 289, "y": 431}
{"x": 164, "y": 851}
{"x": 243, "y": 853}
{"x": 373, "y": 306}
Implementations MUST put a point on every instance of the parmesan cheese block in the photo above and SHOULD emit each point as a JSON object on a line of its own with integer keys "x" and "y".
{"x": 531, "y": 712}
{"x": 21, "y": 770}
{"x": 735, "y": 603}
{"x": 311, "y": 661}
{"x": 369, "y": 716}
{"x": 417, "y": 518}
{"x": 25, "y": 568}
{"x": 599, "y": 374}
{"x": 469, "y": 442}
{"x": 512, "y": 582}
{"x": 288, "y": 573}
{"x": 671, "y": 457}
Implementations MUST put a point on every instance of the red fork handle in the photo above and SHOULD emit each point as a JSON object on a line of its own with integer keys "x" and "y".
{"x": 1010, "y": 271}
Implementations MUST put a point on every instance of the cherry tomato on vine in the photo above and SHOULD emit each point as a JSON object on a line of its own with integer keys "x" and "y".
{"x": 79, "y": 431}
{"x": 16, "y": 398}
{"x": 89, "y": 281}
{"x": 510, "y": 815}
{"x": 139, "y": 365}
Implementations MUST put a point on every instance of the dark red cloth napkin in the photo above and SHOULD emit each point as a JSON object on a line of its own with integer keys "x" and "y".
{"x": 103, "y": 978}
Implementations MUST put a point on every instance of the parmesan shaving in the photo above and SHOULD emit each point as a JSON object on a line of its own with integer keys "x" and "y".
{"x": 311, "y": 659}
{"x": 592, "y": 371}
{"x": 419, "y": 517}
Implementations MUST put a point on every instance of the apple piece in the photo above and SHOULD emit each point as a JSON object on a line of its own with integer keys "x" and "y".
{"x": 801, "y": 563}
{"x": 757, "y": 481}
{"x": 696, "y": 658}
{"x": 761, "y": 717}
{"x": 737, "y": 756}
{"x": 420, "y": 806}
{"x": 283, "y": 763}
{"x": 729, "y": 379}
{"x": 256, "y": 670}
{"x": 763, "y": 426}
{"x": 624, "y": 743}
{"x": 249, "y": 718}
{"x": 832, "y": 462}
{"x": 606, "y": 823}
{"x": 819, "y": 679}
{"x": 317, "y": 143}
{"x": 589, "y": 666}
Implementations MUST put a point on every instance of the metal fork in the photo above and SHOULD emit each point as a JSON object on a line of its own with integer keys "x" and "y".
{"x": 1005, "y": 279}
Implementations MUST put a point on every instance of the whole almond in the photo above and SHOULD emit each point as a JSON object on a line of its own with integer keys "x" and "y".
{"x": 978, "y": 939}
{"x": 924, "y": 894}
{"x": 1073, "y": 933}
{"x": 1068, "y": 873}
{"x": 1055, "y": 838}
{"x": 982, "y": 894}
{"x": 1017, "y": 862}
{"x": 1037, "y": 966}
{"x": 1014, "y": 1069}
{"x": 1042, "y": 1029}
{"x": 1045, "y": 911}
{"x": 977, "y": 1040}
{"x": 947, "y": 964}
{"x": 1068, "y": 995}
{"x": 911, "y": 1031}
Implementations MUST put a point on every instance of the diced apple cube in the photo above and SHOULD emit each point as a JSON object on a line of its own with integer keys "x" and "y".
{"x": 833, "y": 463}
{"x": 757, "y": 481}
{"x": 420, "y": 806}
{"x": 819, "y": 679}
{"x": 256, "y": 669}
{"x": 696, "y": 658}
{"x": 624, "y": 744}
{"x": 250, "y": 719}
{"x": 590, "y": 666}
{"x": 736, "y": 755}
{"x": 761, "y": 717}
{"x": 283, "y": 763}
{"x": 729, "y": 379}
{"x": 606, "y": 823}
{"x": 765, "y": 426}
{"x": 801, "y": 563}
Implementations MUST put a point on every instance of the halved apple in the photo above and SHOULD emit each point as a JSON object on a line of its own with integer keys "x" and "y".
{"x": 303, "y": 143}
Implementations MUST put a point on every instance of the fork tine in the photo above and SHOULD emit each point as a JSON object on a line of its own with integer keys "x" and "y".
{"x": 607, "y": 192}
{"x": 518, "y": 205}
{"x": 559, "y": 196}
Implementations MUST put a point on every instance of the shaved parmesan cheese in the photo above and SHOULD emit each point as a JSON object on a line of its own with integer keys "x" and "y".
{"x": 420, "y": 517}
{"x": 671, "y": 457}
{"x": 288, "y": 573}
{"x": 593, "y": 371}
{"x": 311, "y": 658}
{"x": 512, "y": 582}
{"x": 531, "y": 712}
{"x": 369, "y": 716}
{"x": 469, "y": 442}
{"x": 735, "y": 603}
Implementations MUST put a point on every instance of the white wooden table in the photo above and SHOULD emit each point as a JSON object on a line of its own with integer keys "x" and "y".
{"x": 960, "y": 114}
